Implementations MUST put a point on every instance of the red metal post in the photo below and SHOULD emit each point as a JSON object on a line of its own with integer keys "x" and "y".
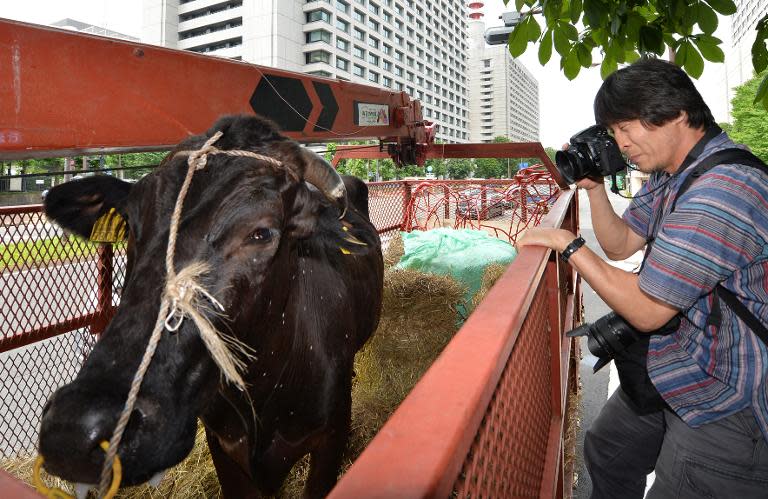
{"x": 406, "y": 202}
{"x": 447, "y": 198}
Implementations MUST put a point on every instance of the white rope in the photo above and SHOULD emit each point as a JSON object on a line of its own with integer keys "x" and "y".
{"x": 181, "y": 298}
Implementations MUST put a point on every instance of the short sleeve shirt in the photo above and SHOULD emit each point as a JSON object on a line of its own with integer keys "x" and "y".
{"x": 717, "y": 233}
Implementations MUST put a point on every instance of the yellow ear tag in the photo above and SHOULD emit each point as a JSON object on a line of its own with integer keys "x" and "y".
{"x": 109, "y": 228}
{"x": 345, "y": 251}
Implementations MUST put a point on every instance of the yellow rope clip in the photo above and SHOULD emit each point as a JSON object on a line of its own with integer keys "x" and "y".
{"x": 54, "y": 493}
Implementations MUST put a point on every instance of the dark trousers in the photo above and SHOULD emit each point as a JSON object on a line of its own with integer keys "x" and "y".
{"x": 727, "y": 458}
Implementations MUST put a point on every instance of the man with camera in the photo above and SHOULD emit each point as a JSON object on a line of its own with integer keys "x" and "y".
{"x": 688, "y": 331}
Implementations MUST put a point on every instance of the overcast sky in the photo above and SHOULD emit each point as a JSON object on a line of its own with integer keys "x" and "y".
{"x": 565, "y": 106}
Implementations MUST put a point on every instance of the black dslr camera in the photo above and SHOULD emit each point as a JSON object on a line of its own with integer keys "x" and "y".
{"x": 611, "y": 335}
{"x": 592, "y": 153}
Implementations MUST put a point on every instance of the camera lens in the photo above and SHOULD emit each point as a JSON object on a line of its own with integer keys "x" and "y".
{"x": 567, "y": 163}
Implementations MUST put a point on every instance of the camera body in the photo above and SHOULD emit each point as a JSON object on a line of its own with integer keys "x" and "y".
{"x": 611, "y": 335}
{"x": 592, "y": 153}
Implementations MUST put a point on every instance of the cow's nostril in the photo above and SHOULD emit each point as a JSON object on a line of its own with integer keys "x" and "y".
{"x": 138, "y": 414}
{"x": 136, "y": 421}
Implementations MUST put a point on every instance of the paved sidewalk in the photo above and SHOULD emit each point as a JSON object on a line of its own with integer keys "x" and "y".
{"x": 597, "y": 387}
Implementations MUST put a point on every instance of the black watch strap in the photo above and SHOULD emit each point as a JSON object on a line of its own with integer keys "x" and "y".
{"x": 572, "y": 248}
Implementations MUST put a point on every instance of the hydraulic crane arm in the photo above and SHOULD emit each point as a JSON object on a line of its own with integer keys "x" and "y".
{"x": 65, "y": 93}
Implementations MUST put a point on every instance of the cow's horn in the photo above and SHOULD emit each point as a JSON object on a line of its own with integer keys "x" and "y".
{"x": 322, "y": 175}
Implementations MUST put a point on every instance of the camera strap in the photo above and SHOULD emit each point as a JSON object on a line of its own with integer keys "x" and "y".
{"x": 723, "y": 157}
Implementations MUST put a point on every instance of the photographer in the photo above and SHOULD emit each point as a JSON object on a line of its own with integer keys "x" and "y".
{"x": 708, "y": 437}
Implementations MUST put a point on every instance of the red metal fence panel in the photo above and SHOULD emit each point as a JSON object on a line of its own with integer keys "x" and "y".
{"x": 488, "y": 418}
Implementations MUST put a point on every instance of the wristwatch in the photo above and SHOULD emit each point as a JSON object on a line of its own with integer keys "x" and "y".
{"x": 572, "y": 248}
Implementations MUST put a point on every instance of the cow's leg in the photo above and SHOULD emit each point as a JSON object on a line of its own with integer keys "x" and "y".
{"x": 327, "y": 455}
{"x": 274, "y": 465}
{"x": 235, "y": 483}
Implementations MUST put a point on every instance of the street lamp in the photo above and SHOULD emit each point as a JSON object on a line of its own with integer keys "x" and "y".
{"x": 499, "y": 35}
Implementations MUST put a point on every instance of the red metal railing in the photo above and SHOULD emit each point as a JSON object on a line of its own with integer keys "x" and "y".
{"x": 487, "y": 419}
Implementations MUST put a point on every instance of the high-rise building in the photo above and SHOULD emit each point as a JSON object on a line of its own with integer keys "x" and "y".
{"x": 74, "y": 25}
{"x": 503, "y": 94}
{"x": 738, "y": 59}
{"x": 403, "y": 45}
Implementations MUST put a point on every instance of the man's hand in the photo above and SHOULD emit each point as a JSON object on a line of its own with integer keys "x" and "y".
{"x": 557, "y": 239}
{"x": 589, "y": 183}
{"x": 586, "y": 183}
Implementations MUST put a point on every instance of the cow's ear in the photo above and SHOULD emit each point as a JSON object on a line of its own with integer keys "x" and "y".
{"x": 306, "y": 208}
{"x": 76, "y": 205}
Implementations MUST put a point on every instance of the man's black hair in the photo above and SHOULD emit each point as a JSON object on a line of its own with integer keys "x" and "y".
{"x": 652, "y": 91}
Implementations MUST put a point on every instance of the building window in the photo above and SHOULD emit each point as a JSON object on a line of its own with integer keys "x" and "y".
{"x": 359, "y": 52}
{"x": 342, "y": 6}
{"x": 373, "y": 8}
{"x": 342, "y": 25}
{"x": 387, "y": 81}
{"x": 325, "y": 74}
{"x": 373, "y": 76}
{"x": 373, "y": 59}
{"x": 373, "y": 42}
{"x": 318, "y": 15}
{"x": 342, "y": 64}
{"x": 318, "y": 56}
{"x": 318, "y": 35}
{"x": 358, "y": 70}
{"x": 358, "y": 33}
{"x": 358, "y": 16}
{"x": 342, "y": 44}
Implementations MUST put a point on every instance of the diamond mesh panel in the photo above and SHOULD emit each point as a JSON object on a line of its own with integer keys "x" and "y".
{"x": 28, "y": 376}
{"x": 507, "y": 457}
{"x": 55, "y": 292}
{"x": 387, "y": 202}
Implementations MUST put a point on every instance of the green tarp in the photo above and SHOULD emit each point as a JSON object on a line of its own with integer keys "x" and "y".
{"x": 461, "y": 253}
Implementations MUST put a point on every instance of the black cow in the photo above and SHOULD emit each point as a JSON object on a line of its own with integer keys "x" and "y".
{"x": 293, "y": 286}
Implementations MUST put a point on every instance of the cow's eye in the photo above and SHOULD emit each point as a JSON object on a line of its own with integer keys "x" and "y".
{"x": 262, "y": 235}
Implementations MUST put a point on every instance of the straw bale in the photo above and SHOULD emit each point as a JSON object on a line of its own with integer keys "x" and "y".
{"x": 491, "y": 274}
{"x": 194, "y": 478}
{"x": 394, "y": 251}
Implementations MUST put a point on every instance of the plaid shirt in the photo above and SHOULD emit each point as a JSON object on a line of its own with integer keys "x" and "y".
{"x": 717, "y": 234}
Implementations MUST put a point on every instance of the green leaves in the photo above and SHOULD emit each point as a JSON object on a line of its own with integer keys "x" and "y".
{"x": 689, "y": 58}
{"x": 709, "y": 46}
{"x": 650, "y": 40}
{"x": 608, "y": 66}
{"x": 760, "y": 60}
{"x": 724, "y": 7}
{"x": 595, "y": 13}
{"x": 528, "y": 30}
{"x": 518, "y": 40}
{"x": 545, "y": 47}
{"x": 759, "y": 51}
{"x": 707, "y": 18}
{"x": 622, "y": 30}
{"x": 762, "y": 93}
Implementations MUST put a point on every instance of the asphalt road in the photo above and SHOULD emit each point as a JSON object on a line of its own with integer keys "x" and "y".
{"x": 598, "y": 386}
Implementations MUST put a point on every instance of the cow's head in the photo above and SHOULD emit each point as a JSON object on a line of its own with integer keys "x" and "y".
{"x": 241, "y": 217}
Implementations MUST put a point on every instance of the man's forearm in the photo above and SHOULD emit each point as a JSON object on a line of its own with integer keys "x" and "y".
{"x": 611, "y": 231}
{"x": 621, "y": 291}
